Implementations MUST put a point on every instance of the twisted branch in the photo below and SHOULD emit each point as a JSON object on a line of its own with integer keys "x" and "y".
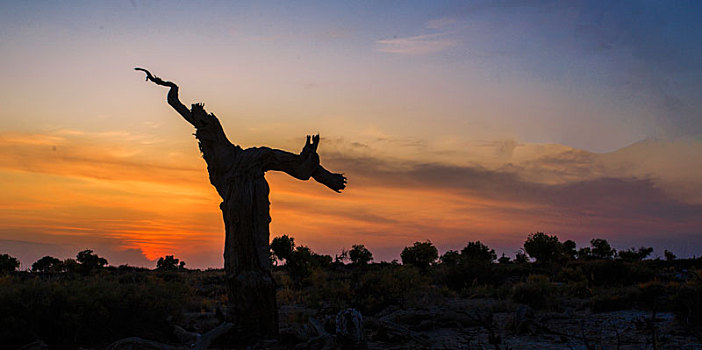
{"x": 173, "y": 99}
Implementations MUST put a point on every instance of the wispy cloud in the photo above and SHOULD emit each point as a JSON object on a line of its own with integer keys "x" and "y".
{"x": 440, "y": 23}
{"x": 166, "y": 205}
{"x": 417, "y": 45}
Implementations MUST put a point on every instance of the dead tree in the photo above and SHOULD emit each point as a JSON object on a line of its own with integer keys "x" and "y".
{"x": 238, "y": 176}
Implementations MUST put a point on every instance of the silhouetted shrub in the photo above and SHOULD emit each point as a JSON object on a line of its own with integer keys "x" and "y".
{"x": 542, "y": 247}
{"x": 301, "y": 262}
{"x": 283, "y": 247}
{"x": 420, "y": 255}
{"x": 476, "y": 252}
{"x": 360, "y": 255}
{"x": 614, "y": 299}
{"x": 569, "y": 249}
{"x": 600, "y": 249}
{"x": 535, "y": 292}
{"x": 615, "y": 272}
{"x": 376, "y": 289}
{"x": 520, "y": 257}
{"x": 466, "y": 274}
{"x": 169, "y": 263}
{"x": 47, "y": 264}
{"x": 687, "y": 302}
{"x": 82, "y": 311}
{"x": 89, "y": 262}
{"x": 451, "y": 258}
{"x": 669, "y": 256}
{"x": 8, "y": 263}
{"x": 633, "y": 255}
{"x": 70, "y": 266}
{"x": 504, "y": 259}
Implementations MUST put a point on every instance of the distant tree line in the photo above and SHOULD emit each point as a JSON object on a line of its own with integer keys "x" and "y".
{"x": 539, "y": 247}
{"x": 86, "y": 262}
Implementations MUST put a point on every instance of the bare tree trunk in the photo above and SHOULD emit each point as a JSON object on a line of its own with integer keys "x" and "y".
{"x": 238, "y": 176}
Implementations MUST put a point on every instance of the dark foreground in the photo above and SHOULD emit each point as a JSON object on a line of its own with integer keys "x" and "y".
{"x": 596, "y": 304}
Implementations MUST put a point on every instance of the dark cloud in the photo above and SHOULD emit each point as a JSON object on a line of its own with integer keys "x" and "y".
{"x": 626, "y": 203}
{"x": 355, "y": 214}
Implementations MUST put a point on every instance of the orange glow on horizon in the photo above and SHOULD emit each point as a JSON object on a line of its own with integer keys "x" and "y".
{"x": 86, "y": 193}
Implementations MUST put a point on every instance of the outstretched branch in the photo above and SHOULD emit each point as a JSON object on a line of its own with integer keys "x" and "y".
{"x": 173, "y": 99}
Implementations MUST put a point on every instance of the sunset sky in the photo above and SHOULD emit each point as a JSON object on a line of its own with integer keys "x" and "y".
{"x": 453, "y": 121}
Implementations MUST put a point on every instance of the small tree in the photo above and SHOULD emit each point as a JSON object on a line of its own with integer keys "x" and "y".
{"x": 476, "y": 252}
{"x": 302, "y": 260}
{"x": 8, "y": 263}
{"x": 360, "y": 255}
{"x": 669, "y": 256}
{"x": 47, "y": 264}
{"x": 70, "y": 265}
{"x": 169, "y": 263}
{"x": 584, "y": 253}
{"x": 283, "y": 247}
{"x": 569, "y": 249}
{"x": 339, "y": 259}
{"x": 451, "y": 258}
{"x": 421, "y": 254}
{"x": 632, "y": 255}
{"x": 542, "y": 247}
{"x": 504, "y": 259}
{"x": 520, "y": 257}
{"x": 89, "y": 261}
{"x": 601, "y": 249}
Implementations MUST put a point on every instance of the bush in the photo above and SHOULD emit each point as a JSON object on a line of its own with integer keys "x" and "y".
{"x": 8, "y": 263}
{"x": 376, "y": 289}
{"x": 601, "y": 249}
{"x": 542, "y": 247}
{"x": 73, "y": 311}
{"x": 360, "y": 255}
{"x": 615, "y": 272}
{"x": 633, "y": 255}
{"x": 169, "y": 263}
{"x": 283, "y": 247}
{"x": 536, "y": 292}
{"x": 476, "y": 252}
{"x": 614, "y": 299}
{"x": 89, "y": 262}
{"x": 420, "y": 255}
{"x": 47, "y": 264}
{"x": 451, "y": 258}
{"x": 302, "y": 261}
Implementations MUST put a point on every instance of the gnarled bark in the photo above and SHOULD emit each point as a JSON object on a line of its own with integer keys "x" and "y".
{"x": 238, "y": 176}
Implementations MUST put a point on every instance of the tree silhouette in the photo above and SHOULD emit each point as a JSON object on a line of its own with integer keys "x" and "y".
{"x": 238, "y": 176}
{"x": 476, "y": 252}
{"x": 89, "y": 261}
{"x": 169, "y": 263}
{"x": 451, "y": 258}
{"x": 632, "y": 255}
{"x": 504, "y": 259}
{"x": 569, "y": 249}
{"x": 601, "y": 249}
{"x": 360, "y": 255}
{"x": 669, "y": 256}
{"x": 283, "y": 247}
{"x": 421, "y": 254}
{"x": 542, "y": 247}
{"x": 8, "y": 263}
{"x": 47, "y": 264}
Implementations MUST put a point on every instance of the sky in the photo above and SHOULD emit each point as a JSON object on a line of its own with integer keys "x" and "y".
{"x": 453, "y": 121}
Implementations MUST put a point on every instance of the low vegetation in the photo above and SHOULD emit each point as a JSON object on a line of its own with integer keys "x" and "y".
{"x": 85, "y": 302}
